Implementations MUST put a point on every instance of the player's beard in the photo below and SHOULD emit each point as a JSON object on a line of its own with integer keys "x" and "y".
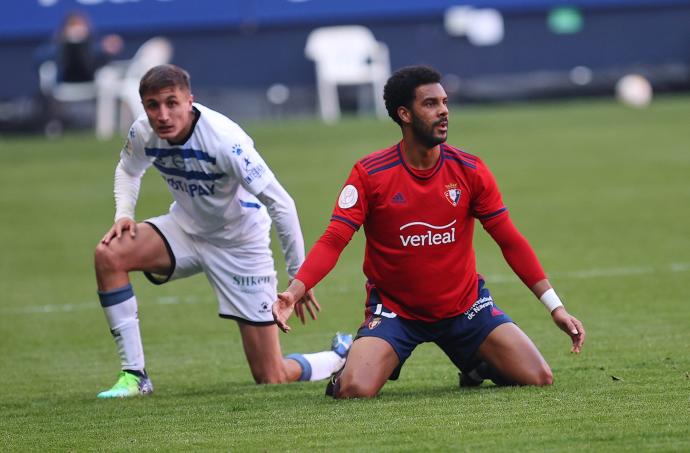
{"x": 425, "y": 134}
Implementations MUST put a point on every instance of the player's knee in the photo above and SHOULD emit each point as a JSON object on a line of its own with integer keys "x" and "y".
{"x": 269, "y": 377}
{"x": 349, "y": 388}
{"x": 107, "y": 260}
{"x": 541, "y": 376}
{"x": 546, "y": 376}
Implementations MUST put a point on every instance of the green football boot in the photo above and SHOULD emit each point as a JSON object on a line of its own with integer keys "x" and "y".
{"x": 127, "y": 385}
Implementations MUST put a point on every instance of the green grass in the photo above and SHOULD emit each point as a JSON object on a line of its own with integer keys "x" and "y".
{"x": 601, "y": 191}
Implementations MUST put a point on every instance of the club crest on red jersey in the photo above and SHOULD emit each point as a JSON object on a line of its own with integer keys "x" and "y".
{"x": 452, "y": 194}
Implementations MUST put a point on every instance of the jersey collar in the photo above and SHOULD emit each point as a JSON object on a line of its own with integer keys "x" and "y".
{"x": 421, "y": 174}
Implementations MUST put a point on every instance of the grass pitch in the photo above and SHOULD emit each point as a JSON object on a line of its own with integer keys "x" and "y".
{"x": 601, "y": 191}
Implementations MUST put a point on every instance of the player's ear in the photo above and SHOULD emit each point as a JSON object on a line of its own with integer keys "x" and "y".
{"x": 404, "y": 114}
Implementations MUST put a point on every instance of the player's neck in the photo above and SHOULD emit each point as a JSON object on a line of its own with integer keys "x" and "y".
{"x": 184, "y": 135}
{"x": 419, "y": 156}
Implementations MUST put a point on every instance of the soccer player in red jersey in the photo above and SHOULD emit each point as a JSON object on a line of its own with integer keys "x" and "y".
{"x": 418, "y": 201}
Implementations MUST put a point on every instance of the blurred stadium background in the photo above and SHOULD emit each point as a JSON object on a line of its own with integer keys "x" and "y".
{"x": 247, "y": 57}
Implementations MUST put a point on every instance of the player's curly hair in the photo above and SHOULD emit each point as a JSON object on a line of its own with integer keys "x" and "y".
{"x": 164, "y": 76}
{"x": 400, "y": 87}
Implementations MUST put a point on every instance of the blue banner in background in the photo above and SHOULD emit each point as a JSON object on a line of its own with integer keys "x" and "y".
{"x": 35, "y": 18}
{"x": 22, "y": 18}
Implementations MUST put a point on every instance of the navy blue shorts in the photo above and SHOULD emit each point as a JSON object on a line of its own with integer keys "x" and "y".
{"x": 459, "y": 337}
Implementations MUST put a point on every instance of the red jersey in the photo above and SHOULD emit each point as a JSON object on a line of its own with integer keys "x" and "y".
{"x": 419, "y": 228}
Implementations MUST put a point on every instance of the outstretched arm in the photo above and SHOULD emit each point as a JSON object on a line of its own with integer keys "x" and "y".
{"x": 521, "y": 258}
{"x": 321, "y": 259}
{"x": 281, "y": 207}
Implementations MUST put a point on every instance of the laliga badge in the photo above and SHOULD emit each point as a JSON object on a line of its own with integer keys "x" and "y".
{"x": 452, "y": 194}
{"x": 348, "y": 197}
{"x": 374, "y": 323}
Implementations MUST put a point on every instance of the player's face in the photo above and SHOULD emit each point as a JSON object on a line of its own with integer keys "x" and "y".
{"x": 170, "y": 112}
{"x": 429, "y": 114}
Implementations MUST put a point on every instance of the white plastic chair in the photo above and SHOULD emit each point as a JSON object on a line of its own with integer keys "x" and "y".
{"x": 482, "y": 27}
{"x": 347, "y": 55}
{"x": 117, "y": 86}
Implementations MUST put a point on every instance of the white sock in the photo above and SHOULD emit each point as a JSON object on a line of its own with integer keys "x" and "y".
{"x": 318, "y": 365}
{"x": 120, "y": 308}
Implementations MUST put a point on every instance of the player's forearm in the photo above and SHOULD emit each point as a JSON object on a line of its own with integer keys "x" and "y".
{"x": 324, "y": 255}
{"x": 297, "y": 289}
{"x": 281, "y": 207}
{"x": 540, "y": 287}
{"x": 522, "y": 259}
{"x": 126, "y": 191}
{"x": 547, "y": 295}
{"x": 517, "y": 252}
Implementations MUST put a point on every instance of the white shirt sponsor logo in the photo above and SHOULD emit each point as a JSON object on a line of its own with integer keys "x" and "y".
{"x": 348, "y": 197}
{"x": 478, "y": 306}
{"x": 434, "y": 235}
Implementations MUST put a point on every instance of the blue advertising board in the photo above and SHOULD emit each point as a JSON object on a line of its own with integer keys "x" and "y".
{"x": 32, "y": 18}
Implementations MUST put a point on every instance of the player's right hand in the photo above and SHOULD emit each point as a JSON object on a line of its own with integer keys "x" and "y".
{"x": 118, "y": 228}
{"x": 282, "y": 309}
{"x": 285, "y": 304}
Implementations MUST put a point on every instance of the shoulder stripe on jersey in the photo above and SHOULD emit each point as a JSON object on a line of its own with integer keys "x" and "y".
{"x": 373, "y": 160}
{"x": 199, "y": 175}
{"x": 185, "y": 153}
{"x": 457, "y": 158}
{"x": 346, "y": 222}
{"x": 395, "y": 163}
{"x": 377, "y": 155}
{"x": 382, "y": 163}
{"x": 461, "y": 152}
{"x": 249, "y": 204}
{"x": 493, "y": 214}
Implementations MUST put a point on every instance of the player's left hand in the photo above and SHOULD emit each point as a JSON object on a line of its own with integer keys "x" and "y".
{"x": 312, "y": 305}
{"x": 570, "y": 325}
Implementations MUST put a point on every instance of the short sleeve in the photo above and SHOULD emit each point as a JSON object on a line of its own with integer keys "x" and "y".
{"x": 352, "y": 205}
{"x": 486, "y": 200}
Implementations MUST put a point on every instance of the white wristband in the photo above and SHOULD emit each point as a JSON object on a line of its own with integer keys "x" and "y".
{"x": 551, "y": 300}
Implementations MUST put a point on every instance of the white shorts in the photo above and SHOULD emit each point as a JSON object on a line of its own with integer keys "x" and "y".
{"x": 242, "y": 276}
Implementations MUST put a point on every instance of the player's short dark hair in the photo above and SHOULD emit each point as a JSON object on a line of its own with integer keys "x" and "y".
{"x": 164, "y": 76}
{"x": 400, "y": 88}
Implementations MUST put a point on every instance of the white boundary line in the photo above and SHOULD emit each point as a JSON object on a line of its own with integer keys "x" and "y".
{"x": 69, "y": 308}
{"x": 491, "y": 279}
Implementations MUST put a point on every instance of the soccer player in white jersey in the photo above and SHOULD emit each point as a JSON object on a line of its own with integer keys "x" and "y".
{"x": 219, "y": 224}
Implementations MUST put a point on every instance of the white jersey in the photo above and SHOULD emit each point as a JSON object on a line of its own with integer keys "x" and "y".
{"x": 214, "y": 176}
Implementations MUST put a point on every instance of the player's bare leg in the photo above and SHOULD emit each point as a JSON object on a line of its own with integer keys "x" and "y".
{"x": 268, "y": 366}
{"x": 370, "y": 363}
{"x": 515, "y": 357}
{"x": 146, "y": 252}
{"x": 113, "y": 261}
{"x": 266, "y": 362}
